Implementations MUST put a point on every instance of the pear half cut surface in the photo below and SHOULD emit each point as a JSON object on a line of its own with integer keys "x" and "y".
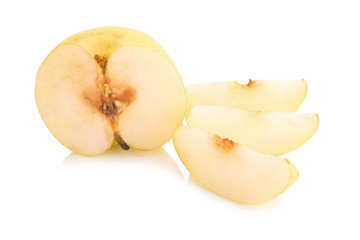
{"x": 134, "y": 96}
{"x": 230, "y": 170}
{"x": 257, "y": 95}
{"x": 273, "y": 133}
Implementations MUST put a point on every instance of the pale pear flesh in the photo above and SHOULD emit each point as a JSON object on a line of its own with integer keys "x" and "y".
{"x": 63, "y": 102}
{"x": 159, "y": 107}
{"x": 274, "y": 133}
{"x": 86, "y": 101}
{"x": 257, "y": 95}
{"x": 230, "y": 170}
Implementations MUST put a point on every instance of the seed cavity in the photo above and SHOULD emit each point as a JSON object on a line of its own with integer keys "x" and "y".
{"x": 224, "y": 144}
{"x": 114, "y": 99}
{"x": 110, "y": 109}
{"x": 250, "y": 83}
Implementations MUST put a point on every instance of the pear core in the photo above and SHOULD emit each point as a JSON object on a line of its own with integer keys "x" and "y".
{"x": 112, "y": 102}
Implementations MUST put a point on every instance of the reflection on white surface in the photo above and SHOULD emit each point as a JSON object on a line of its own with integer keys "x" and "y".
{"x": 147, "y": 164}
{"x": 141, "y": 170}
{"x": 116, "y": 158}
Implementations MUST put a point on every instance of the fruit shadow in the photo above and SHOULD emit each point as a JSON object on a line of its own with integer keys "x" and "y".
{"x": 275, "y": 203}
{"x": 117, "y": 156}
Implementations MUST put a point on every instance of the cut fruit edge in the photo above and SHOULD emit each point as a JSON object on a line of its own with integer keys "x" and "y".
{"x": 249, "y": 126}
{"x": 293, "y": 172}
{"x": 238, "y": 90}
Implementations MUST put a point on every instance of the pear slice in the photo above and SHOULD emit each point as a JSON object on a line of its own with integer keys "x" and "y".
{"x": 134, "y": 96}
{"x": 273, "y": 133}
{"x": 257, "y": 95}
{"x": 231, "y": 170}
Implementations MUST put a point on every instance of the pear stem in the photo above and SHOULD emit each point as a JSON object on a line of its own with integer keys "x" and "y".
{"x": 121, "y": 142}
{"x": 102, "y": 61}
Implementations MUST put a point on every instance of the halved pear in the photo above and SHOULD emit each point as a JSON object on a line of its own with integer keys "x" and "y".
{"x": 231, "y": 170}
{"x": 273, "y": 133}
{"x": 122, "y": 91}
{"x": 257, "y": 95}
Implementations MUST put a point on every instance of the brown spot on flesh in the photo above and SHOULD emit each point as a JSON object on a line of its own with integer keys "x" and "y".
{"x": 250, "y": 83}
{"x": 124, "y": 95}
{"x": 224, "y": 144}
{"x": 92, "y": 98}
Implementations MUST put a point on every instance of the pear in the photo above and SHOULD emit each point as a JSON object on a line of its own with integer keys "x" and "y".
{"x": 257, "y": 95}
{"x": 109, "y": 84}
{"x": 274, "y": 133}
{"x": 230, "y": 170}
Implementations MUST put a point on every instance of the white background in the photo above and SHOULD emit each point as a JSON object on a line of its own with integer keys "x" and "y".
{"x": 47, "y": 192}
